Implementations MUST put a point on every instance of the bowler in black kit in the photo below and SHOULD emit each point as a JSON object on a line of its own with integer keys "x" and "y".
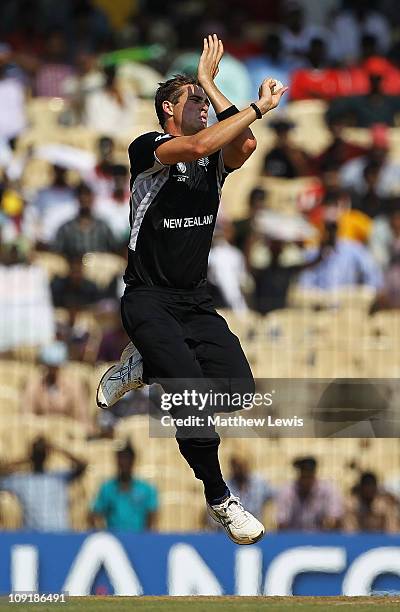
{"x": 178, "y": 339}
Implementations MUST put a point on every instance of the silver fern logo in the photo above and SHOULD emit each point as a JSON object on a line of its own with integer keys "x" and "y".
{"x": 181, "y": 166}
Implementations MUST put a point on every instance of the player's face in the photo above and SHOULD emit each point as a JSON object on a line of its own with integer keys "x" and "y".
{"x": 191, "y": 110}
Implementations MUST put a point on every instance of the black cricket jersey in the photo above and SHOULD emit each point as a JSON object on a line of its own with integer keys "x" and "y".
{"x": 173, "y": 213}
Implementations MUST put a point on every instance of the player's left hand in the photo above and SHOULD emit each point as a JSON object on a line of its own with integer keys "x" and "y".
{"x": 213, "y": 50}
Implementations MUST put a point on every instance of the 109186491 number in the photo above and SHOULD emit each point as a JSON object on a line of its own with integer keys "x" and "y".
{"x": 33, "y": 597}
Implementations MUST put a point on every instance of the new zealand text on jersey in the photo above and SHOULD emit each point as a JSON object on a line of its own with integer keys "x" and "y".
{"x": 188, "y": 222}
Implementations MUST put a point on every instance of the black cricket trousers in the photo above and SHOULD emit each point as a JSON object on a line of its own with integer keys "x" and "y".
{"x": 185, "y": 343}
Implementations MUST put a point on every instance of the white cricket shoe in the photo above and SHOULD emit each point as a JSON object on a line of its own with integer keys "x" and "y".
{"x": 121, "y": 378}
{"x": 241, "y": 526}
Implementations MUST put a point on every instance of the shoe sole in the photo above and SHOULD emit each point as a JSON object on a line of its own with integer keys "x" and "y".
{"x": 254, "y": 540}
{"x": 102, "y": 404}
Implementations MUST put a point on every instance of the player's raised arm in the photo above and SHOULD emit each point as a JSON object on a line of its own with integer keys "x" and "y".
{"x": 236, "y": 152}
{"x": 211, "y": 139}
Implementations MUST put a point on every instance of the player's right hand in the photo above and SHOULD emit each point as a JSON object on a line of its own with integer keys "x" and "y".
{"x": 213, "y": 50}
{"x": 268, "y": 97}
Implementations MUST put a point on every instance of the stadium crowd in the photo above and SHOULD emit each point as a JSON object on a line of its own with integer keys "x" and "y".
{"x": 64, "y": 209}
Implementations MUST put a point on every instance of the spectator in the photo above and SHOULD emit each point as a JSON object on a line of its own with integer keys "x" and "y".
{"x": 352, "y": 23}
{"x": 25, "y": 300}
{"x": 348, "y": 263}
{"x": 385, "y": 235}
{"x": 125, "y": 503}
{"x": 368, "y": 200}
{"x": 339, "y": 151}
{"x": 17, "y": 221}
{"x": 12, "y": 101}
{"x": 273, "y": 281}
{"x": 25, "y": 31}
{"x": 315, "y": 79}
{"x": 111, "y": 109}
{"x": 53, "y": 390}
{"x": 352, "y": 173}
{"x": 272, "y": 61}
{"x": 308, "y": 503}
{"x": 227, "y": 271}
{"x": 55, "y": 69}
{"x": 101, "y": 180}
{"x": 317, "y": 55}
{"x": 252, "y": 489}
{"x": 43, "y": 494}
{"x": 114, "y": 338}
{"x": 56, "y": 194}
{"x": 368, "y": 109}
{"x": 85, "y": 233}
{"x": 317, "y": 12}
{"x": 332, "y": 190}
{"x": 296, "y": 34}
{"x": 237, "y": 41}
{"x": 368, "y": 509}
{"x": 114, "y": 210}
{"x": 285, "y": 159}
{"x": 52, "y": 206}
{"x": 389, "y": 296}
{"x": 88, "y": 78}
{"x": 74, "y": 291}
{"x": 243, "y": 227}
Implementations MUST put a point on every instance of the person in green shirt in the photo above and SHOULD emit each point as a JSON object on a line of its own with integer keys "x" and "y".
{"x": 124, "y": 503}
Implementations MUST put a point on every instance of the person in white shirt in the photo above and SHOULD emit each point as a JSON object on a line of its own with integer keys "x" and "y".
{"x": 227, "y": 269}
{"x": 111, "y": 109}
{"x": 52, "y": 206}
{"x": 114, "y": 209}
{"x": 352, "y": 24}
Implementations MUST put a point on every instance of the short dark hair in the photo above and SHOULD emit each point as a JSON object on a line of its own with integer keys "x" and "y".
{"x": 126, "y": 449}
{"x": 256, "y": 194}
{"x": 171, "y": 90}
{"x": 83, "y": 188}
{"x": 308, "y": 464}
{"x": 368, "y": 478}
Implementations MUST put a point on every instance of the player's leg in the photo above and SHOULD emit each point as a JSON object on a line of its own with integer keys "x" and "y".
{"x": 218, "y": 350}
{"x": 221, "y": 358}
{"x": 168, "y": 359}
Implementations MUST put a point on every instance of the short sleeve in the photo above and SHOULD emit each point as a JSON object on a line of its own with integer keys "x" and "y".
{"x": 152, "y": 499}
{"x": 11, "y": 483}
{"x": 142, "y": 152}
{"x": 100, "y": 503}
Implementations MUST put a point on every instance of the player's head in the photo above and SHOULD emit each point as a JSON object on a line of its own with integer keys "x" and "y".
{"x": 181, "y": 105}
{"x": 125, "y": 459}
